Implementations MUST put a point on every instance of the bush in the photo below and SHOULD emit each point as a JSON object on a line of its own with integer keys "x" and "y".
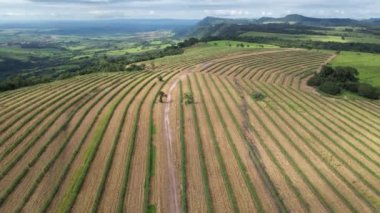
{"x": 314, "y": 81}
{"x": 368, "y": 91}
{"x": 330, "y": 87}
{"x": 258, "y": 96}
{"x": 344, "y": 74}
{"x": 326, "y": 72}
{"x": 351, "y": 86}
{"x": 339, "y": 74}
{"x": 189, "y": 98}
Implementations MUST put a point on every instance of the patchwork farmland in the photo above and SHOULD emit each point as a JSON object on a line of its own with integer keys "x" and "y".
{"x": 105, "y": 143}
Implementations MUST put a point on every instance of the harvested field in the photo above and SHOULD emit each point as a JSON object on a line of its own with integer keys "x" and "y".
{"x": 106, "y": 143}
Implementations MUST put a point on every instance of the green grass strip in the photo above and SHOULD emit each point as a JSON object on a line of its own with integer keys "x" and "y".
{"x": 206, "y": 186}
{"x": 255, "y": 158}
{"x": 35, "y": 139}
{"x": 78, "y": 178}
{"x": 308, "y": 144}
{"x": 120, "y": 206}
{"x": 355, "y": 120}
{"x": 19, "y": 105}
{"x": 290, "y": 183}
{"x": 375, "y": 174}
{"x": 67, "y": 167}
{"x": 357, "y": 174}
{"x": 151, "y": 157}
{"x": 226, "y": 180}
{"x": 302, "y": 153}
{"x": 291, "y": 160}
{"x": 42, "y": 150}
{"x": 62, "y": 98}
{"x": 52, "y": 161}
{"x": 183, "y": 151}
{"x": 114, "y": 145}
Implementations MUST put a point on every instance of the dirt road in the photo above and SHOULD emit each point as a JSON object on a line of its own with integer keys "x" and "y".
{"x": 170, "y": 155}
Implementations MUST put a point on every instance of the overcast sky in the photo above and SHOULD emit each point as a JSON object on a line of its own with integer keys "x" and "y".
{"x": 183, "y": 9}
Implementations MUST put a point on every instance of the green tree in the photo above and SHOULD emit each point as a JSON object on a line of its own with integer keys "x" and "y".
{"x": 368, "y": 91}
{"x": 330, "y": 87}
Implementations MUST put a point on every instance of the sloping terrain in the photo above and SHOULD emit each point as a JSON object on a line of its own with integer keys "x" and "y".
{"x": 105, "y": 143}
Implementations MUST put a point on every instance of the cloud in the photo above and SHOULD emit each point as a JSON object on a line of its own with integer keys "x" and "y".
{"x": 88, "y": 9}
{"x": 91, "y": 1}
{"x": 225, "y": 13}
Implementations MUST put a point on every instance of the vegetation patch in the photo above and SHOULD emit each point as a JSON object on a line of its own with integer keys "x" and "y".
{"x": 135, "y": 67}
{"x": 183, "y": 151}
{"x": 152, "y": 208}
{"x": 367, "y": 64}
{"x": 258, "y": 96}
{"x": 333, "y": 80}
{"x": 189, "y": 98}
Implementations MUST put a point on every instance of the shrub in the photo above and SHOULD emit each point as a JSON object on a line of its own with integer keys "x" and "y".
{"x": 258, "y": 96}
{"x": 344, "y": 74}
{"x": 368, "y": 91}
{"x": 189, "y": 98}
{"x": 314, "y": 81}
{"x": 351, "y": 86}
{"x": 326, "y": 71}
{"x": 330, "y": 87}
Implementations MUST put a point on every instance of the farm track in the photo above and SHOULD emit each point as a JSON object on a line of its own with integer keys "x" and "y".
{"x": 104, "y": 143}
{"x": 136, "y": 180}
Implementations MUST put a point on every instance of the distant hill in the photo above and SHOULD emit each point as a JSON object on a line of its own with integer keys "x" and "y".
{"x": 214, "y": 21}
{"x": 213, "y": 26}
{"x": 299, "y": 19}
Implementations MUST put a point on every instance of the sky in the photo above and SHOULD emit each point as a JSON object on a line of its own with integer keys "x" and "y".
{"x": 183, "y": 9}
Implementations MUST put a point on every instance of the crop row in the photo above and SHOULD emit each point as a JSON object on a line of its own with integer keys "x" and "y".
{"x": 47, "y": 143}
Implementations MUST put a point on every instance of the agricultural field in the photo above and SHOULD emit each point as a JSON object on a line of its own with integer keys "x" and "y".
{"x": 329, "y": 36}
{"x": 32, "y": 54}
{"x": 104, "y": 142}
{"x": 236, "y": 44}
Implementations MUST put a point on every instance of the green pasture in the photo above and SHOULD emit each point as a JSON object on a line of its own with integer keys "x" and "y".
{"x": 227, "y": 43}
{"x": 367, "y": 64}
{"x": 333, "y": 36}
